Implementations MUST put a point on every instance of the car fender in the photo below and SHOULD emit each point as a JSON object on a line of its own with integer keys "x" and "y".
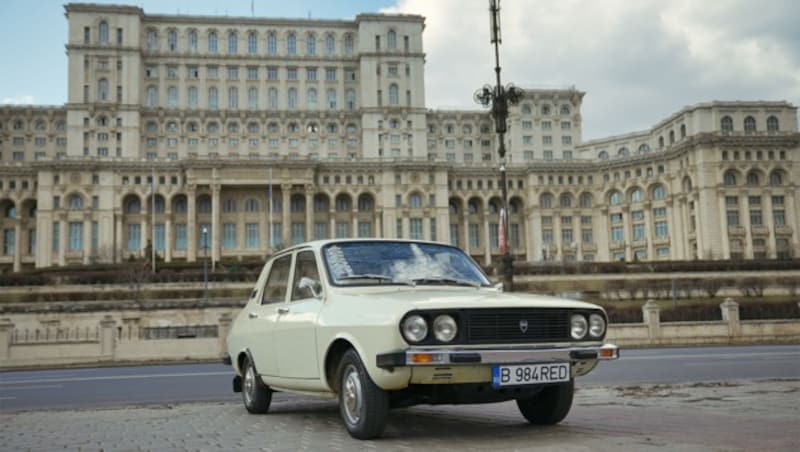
{"x": 394, "y": 379}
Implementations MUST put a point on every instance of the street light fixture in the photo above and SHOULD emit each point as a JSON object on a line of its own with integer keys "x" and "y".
{"x": 205, "y": 262}
{"x": 500, "y": 98}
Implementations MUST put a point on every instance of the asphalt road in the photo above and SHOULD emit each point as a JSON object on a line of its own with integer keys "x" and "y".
{"x": 120, "y": 386}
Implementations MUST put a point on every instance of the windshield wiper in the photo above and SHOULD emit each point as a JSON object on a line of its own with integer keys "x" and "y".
{"x": 375, "y": 277}
{"x": 444, "y": 280}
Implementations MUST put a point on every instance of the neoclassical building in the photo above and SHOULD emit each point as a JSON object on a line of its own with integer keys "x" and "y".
{"x": 232, "y": 137}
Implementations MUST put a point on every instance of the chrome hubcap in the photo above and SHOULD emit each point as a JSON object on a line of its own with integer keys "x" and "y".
{"x": 351, "y": 395}
{"x": 249, "y": 384}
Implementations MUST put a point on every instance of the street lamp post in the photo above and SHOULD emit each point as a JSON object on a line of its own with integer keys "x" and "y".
{"x": 500, "y": 98}
{"x": 205, "y": 262}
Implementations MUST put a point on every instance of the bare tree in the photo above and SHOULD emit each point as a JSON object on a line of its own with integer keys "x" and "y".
{"x": 137, "y": 272}
{"x": 711, "y": 286}
{"x": 752, "y": 287}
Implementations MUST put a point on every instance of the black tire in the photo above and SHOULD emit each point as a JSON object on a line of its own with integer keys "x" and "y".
{"x": 550, "y": 406}
{"x": 363, "y": 406}
{"x": 256, "y": 395}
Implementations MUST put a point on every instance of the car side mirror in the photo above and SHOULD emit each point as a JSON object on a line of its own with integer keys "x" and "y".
{"x": 312, "y": 285}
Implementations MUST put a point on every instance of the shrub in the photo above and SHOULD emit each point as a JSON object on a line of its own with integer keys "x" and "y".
{"x": 762, "y": 310}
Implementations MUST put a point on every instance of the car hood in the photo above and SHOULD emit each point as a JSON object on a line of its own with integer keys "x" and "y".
{"x": 405, "y": 298}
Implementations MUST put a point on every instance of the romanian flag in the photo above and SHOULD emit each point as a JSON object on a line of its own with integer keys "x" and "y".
{"x": 502, "y": 232}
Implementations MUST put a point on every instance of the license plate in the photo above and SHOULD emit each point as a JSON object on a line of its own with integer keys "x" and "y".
{"x": 528, "y": 374}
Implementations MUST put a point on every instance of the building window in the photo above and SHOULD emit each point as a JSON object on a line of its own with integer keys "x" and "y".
{"x": 311, "y": 45}
{"x": 212, "y": 42}
{"x": 193, "y": 41}
{"x": 134, "y": 237}
{"x": 749, "y": 124}
{"x": 474, "y": 236}
{"x": 617, "y": 234}
{"x": 252, "y": 43}
{"x": 233, "y": 43}
{"x": 172, "y": 41}
{"x": 291, "y": 44}
{"x": 394, "y": 96}
{"x": 726, "y": 124}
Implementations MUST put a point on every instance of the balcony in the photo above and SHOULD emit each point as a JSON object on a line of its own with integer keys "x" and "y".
{"x": 783, "y": 230}
{"x": 736, "y": 230}
{"x": 759, "y": 230}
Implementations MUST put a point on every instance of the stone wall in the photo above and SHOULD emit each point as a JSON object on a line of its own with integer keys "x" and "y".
{"x": 198, "y": 332}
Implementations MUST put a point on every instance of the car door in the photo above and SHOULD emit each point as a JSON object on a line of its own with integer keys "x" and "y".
{"x": 262, "y": 317}
{"x": 295, "y": 329}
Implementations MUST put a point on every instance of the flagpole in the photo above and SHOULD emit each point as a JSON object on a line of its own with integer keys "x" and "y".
{"x": 269, "y": 226}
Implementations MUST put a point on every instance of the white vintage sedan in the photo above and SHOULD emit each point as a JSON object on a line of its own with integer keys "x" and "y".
{"x": 394, "y": 323}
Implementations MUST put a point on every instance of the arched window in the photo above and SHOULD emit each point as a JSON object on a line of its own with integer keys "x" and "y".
{"x": 311, "y": 99}
{"x": 193, "y": 40}
{"x": 252, "y": 98}
{"x": 297, "y": 203}
{"x": 415, "y": 201}
{"x": 233, "y": 127}
{"x": 330, "y": 45}
{"x": 623, "y": 152}
{"x": 252, "y": 128}
{"x": 526, "y": 109}
{"x": 565, "y": 110}
{"x": 752, "y": 178}
{"x": 545, "y": 110}
{"x": 321, "y": 204}
{"x": 391, "y": 40}
{"x": 637, "y": 195}
{"x": 566, "y": 200}
{"x": 151, "y": 127}
{"x": 659, "y": 192}
{"x": 252, "y": 205}
{"x": 102, "y": 90}
{"x": 179, "y": 205}
{"x": 615, "y": 198}
{"x": 273, "y": 127}
{"x": 311, "y": 44}
{"x": 272, "y": 43}
{"x": 671, "y": 136}
{"x": 152, "y": 96}
{"x": 749, "y": 124}
{"x": 683, "y": 130}
{"x": 172, "y": 41}
{"x": 159, "y": 205}
{"x": 394, "y": 96}
{"x": 776, "y": 178}
{"x": 212, "y": 42}
{"x": 729, "y": 178}
{"x": 172, "y": 97}
{"x": 349, "y": 44}
{"x": 291, "y": 44}
{"x": 252, "y": 43}
{"x": 644, "y": 148}
{"x": 453, "y": 207}
{"x": 172, "y": 127}
{"x": 291, "y": 100}
{"x": 272, "y": 98}
{"x": 75, "y": 202}
{"x": 365, "y": 203}
{"x": 726, "y": 124}
{"x": 191, "y": 97}
{"x": 473, "y": 206}
{"x": 603, "y": 155}
{"x": 204, "y": 204}
{"x": 546, "y": 201}
{"x": 233, "y": 43}
{"x": 134, "y": 206}
{"x": 494, "y": 206}
{"x": 343, "y": 203}
{"x": 233, "y": 98}
{"x": 350, "y": 99}
{"x": 330, "y": 96}
{"x": 213, "y": 98}
{"x": 212, "y": 127}
{"x": 586, "y": 200}
{"x": 40, "y": 124}
{"x": 103, "y": 32}
{"x": 292, "y": 127}
{"x": 772, "y": 124}
{"x": 152, "y": 40}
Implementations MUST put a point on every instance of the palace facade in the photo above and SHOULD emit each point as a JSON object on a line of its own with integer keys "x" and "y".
{"x": 232, "y": 137}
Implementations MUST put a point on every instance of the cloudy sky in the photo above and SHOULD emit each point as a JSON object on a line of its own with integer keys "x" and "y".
{"x": 638, "y": 60}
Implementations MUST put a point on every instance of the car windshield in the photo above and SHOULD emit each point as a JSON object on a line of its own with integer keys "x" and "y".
{"x": 409, "y": 263}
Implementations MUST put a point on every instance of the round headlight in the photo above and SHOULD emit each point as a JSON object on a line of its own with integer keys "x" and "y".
{"x": 597, "y": 325}
{"x": 415, "y": 328}
{"x": 444, "y": 328}
{"x": 578, "y": 327}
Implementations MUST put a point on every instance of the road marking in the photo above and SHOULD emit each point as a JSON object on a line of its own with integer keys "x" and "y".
{"x": 709, "y": 355}
{"x": 23, "y": 388}
{"x": 114, "y": 377}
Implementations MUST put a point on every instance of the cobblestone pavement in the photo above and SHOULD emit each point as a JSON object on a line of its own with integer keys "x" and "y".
{"x": 690, "y": 417}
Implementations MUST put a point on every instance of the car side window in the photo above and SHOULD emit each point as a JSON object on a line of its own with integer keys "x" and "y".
{"x": 277, "y": 281}
{"x": 306, "y": 266}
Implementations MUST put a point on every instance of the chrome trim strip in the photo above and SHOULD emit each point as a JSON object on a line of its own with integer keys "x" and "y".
{"x": 509, "y": 356}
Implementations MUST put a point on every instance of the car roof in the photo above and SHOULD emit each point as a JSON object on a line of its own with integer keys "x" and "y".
{"x": 318, "y": 244}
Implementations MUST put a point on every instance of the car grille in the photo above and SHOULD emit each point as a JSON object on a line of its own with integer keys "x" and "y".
{"x": 503, "y": 326}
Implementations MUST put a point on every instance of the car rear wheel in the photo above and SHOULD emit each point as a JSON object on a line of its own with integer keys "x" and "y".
{"x": 363, "y": 405}
{"x": 550, "y": 406}
{"x": 256, "y": 395}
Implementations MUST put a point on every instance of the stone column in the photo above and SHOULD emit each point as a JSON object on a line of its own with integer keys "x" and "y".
{"x": 87, "y": 240}
{"x": 354, "y": 226}
{"x": 600, "y": 224}
{"x": 215, "y": 233}
{"x": 651, "y": 315}
{"x": 559, "y": 254}
{"x": 379, "y": 224}
{"x": 17, "y": 244}
{"x": 309, "y": 212}
{"x": 223, "y": 329}
{"x": 730, "y": 314}
{"x": 332, "y": 231}
{"x": 744, "y": 220}
{"x": 286, "y": 219}
{"x": 769, "y": 221}
{"x": 527, "y": 236}
{"x": 723, "y": 227}
{"x": 6, "y": 332}
{"x": 119, "y": 238}
{"x": 649, "y": 230}
{"x": 675, "y": 241}
{"x": 144, "y": 233}
{"x": 108, "y": 337}
{"x": 168, "y": 238}
{"x": 191, "y": 226}
{"x": 627, "y": 232}
{"x": 62, "y": 242}
{"x": 465, "y": 234}
{"x": 426, "y": 228}
{"x": 487, "y": 246}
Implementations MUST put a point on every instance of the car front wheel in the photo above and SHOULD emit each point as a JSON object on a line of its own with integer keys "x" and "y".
{"x": 256, "y": 395}
{"x": 363, "y": 405}
{"x": 550, "y": 406}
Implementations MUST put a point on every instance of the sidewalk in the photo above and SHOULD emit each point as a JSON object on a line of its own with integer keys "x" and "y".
{"x": 694, "y": 417}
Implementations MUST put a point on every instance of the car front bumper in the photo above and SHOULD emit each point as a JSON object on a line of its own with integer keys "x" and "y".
{"x": 471, "y": 357}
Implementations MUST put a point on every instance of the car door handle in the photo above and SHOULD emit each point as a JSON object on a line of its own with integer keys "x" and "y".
{"x": 283, "y": 310}
{"x": 252, "y": 315}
